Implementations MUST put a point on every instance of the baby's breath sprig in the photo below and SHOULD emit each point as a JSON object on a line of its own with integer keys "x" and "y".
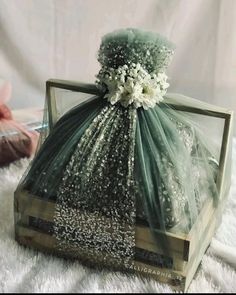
{"x": 133, "y": 85}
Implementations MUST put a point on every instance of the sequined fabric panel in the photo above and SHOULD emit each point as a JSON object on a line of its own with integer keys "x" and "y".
{"x": 95, "y": 209}
{"x": 153, "y": 57}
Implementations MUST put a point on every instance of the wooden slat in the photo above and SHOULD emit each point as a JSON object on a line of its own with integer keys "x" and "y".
{"x": 174, "y": 251}
{"x": 203, "y": 241}
{"x": 177, "y": 279}
{"x": 200, "y": 225}
{"x": 74, "y": 86}
{"x": 204, "y": 221}
{"x": 180, "y": 248}
{"x": 44, "y": 242}
{"x": 32, "y": 238}
{"x": 39, "y": 208}
{"x": 195, "y": 110}
{"x": 30, "y": 204}
{"x": 35, "y": 207}
{"x": 224, "y": 155}
{"x": 208, "y": 110}
{"x": 51, "y": 104}
{"x": 145, "y": 240}
{"x": 199, "y": 242}
{"x": 203, "y": 244}
{"x": 197, "y": 106}
{"x": 210, "y": 207}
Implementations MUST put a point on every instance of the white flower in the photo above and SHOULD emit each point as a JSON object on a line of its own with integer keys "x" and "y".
{"x": 133, "y": 85}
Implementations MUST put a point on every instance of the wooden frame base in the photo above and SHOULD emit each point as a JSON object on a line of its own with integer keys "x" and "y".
{"x": 186, "y": 250}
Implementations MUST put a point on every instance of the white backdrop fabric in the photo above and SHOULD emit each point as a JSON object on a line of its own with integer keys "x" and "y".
{"x": 41, "y": 39}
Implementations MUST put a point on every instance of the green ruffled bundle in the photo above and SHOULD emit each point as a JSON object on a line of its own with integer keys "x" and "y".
{"x": 127, "y": 46}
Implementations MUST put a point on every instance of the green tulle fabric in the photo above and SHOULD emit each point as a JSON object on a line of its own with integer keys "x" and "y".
{"x": 46, "y": 171}
{"x": 111, "y": 168}
{"x": 172, "y": 173}
{"x": 128, "y": 46}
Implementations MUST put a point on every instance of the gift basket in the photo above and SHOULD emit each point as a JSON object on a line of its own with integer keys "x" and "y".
{"x": 127, "y": 176}
{"x": 17, "y": 140}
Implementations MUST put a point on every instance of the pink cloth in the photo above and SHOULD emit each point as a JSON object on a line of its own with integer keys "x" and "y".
{"x": 15, "y": 140}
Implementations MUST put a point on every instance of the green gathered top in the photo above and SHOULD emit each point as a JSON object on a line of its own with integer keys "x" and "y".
{"x": 127, "y": 46}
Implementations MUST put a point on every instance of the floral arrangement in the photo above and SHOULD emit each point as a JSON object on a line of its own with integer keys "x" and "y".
{"x": 133, "y": 85}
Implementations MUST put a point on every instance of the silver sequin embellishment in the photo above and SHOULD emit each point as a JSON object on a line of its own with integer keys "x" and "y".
{"x": 95, "y": 209}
